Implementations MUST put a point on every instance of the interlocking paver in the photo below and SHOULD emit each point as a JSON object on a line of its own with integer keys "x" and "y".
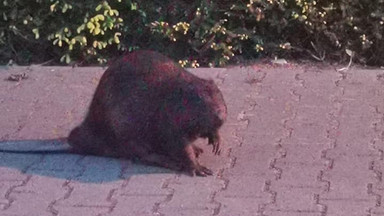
{"x": 83, "y": 210}
{"x": 299, "y": 140}
{"x": 190, "y": 196}
{"x": 36, "y": 193}
{"x": 5, "y": 188}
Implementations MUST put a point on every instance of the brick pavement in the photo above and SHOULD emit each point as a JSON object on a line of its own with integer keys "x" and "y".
{"x": 299, "y": 140}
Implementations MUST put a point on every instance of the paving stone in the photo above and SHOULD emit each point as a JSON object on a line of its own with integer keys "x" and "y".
{"x": 132, "y": 205}
{"x": 82, "y": 210}
{"x": 34, "y": 196}
{"x": 88, "y": 194}
{"x": 299, "y": 140}
{"x": 5, "y": 188}
{"x": 145, "y": 185}
{"x": 190, "y": 194}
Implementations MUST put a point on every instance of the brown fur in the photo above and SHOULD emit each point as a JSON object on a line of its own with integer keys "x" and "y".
{"x": 150, "y": 108}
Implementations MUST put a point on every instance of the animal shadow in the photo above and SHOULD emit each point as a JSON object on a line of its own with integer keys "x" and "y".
{"x": 52, "y": 158}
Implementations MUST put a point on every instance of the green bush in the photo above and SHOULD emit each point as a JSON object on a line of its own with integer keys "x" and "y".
{"x": 84, "y": 31}
{"x": 196, "y": 33}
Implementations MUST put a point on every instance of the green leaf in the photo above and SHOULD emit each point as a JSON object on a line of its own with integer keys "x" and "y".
{"x": 99, "y": 7}
{"x": 36, "y": 32}
{"x": 65, "y": 8}
{"x": 116, "y": 37}
{"x": 99, "y": 17}
{"x": 134, "y": 6}
{"x": 97, "y": 31}
{"x": 80, "y": 28}
{"x": 90, "y": 25}
{"x": 67, "y": 59}
{"x": 53, "y": 6}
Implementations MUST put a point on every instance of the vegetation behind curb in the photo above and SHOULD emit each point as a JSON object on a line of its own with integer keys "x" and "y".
{"x": 196, "y": 33}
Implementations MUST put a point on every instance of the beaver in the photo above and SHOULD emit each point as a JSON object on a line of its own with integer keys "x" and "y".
{"x": 149, "y": 108}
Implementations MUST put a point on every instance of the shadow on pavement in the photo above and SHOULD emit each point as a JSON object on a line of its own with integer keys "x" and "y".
{"x": 48, "y": 158}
